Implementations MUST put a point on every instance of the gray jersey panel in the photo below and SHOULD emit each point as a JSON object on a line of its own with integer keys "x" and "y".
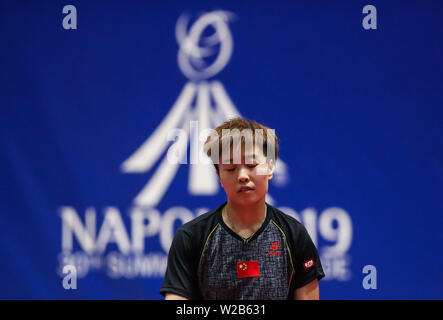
{"x": 218, "y": 270}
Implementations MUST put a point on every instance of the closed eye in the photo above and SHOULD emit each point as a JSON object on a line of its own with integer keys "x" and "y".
{"x": 250, "y": 166}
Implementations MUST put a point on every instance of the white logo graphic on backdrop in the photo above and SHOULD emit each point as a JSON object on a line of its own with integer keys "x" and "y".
{"x": 192, "y": 112}
{"x": 105, "y": 241}
{"x": 194, "y": 47}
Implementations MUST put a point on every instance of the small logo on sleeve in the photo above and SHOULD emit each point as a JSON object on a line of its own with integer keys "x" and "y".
{"x": 309, "y": 264}
{"x": 246, "y": 269}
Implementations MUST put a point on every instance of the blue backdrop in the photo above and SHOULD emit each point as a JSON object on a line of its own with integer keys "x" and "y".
{"x": 85, "y": 179}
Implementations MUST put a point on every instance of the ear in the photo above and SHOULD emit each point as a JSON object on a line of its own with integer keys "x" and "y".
{"x": 271, "y": 168}
{"x": 218, "y": 175}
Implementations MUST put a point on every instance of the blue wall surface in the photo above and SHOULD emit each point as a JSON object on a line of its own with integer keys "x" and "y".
{"x": 85, "y": 113}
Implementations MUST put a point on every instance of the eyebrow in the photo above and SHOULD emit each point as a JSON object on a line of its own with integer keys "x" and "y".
{"x": 253, "y": 157}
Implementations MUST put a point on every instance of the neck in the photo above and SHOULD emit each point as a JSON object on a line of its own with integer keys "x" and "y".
{"x": 249, "y": 216}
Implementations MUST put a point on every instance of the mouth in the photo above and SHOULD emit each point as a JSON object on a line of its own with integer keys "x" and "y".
{"x": 245, "y": 190}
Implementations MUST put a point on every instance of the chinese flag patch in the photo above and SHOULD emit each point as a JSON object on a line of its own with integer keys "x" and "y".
{"x": 246, "y": 269}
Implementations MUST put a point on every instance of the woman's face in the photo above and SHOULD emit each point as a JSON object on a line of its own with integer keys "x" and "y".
{"x": 246, "y": 182}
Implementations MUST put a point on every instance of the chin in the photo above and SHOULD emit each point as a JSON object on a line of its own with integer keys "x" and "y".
{"x": 248, "y": 200}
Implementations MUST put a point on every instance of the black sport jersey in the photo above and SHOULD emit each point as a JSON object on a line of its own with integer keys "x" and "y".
{"x": 207, "y": 260}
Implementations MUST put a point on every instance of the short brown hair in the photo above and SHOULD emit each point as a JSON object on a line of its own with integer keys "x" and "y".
{"x": 218, "y": 134}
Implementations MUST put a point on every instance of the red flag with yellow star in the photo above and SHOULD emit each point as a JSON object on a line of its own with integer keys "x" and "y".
{"x": 247, "y": 269}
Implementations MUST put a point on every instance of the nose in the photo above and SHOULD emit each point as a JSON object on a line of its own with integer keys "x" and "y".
{"x": 243, "y": 175}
